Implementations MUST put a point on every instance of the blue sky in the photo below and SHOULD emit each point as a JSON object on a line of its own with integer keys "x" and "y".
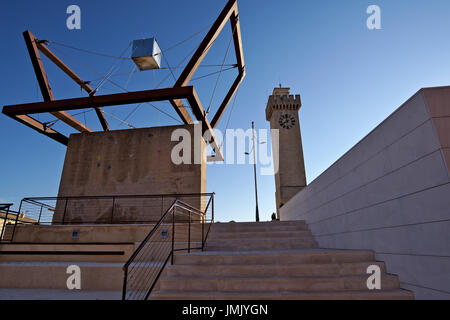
{"x": 350, "y": 78}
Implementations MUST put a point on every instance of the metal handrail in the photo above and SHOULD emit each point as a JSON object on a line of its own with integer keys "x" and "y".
{"x": 43, "y": 211}
{"x": 211, "y": 201}
{"x": 5, "y": 207}
{"x": 170, "y": 255}
{"x": 168, "y": 195}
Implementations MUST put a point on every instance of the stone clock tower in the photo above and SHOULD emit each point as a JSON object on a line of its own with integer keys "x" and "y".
{"x": 282, "y": 113}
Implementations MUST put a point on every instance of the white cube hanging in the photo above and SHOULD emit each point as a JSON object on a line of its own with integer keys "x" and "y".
{"x": 146, "y": 54}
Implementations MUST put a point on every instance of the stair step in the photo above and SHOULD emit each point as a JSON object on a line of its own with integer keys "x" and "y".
{"x": 264, "y": 284}
{"x": 260, "y": 235}
{"x": 117, "y": 233}
{"x": 238, "y": 227}
{"x": 261, "y": 244}
{"x": 26, "y": 247}
{"x": 272, "y": 269}
{"x": 195, "y": 245}
{"x": 336, "y": 295}
{"x": 264, "y": 223}
{"x": 53, "y": 275}
{"x": 58, "y": 294}
{"x": 66, "y": 252}
{"x": 280, "y": 257}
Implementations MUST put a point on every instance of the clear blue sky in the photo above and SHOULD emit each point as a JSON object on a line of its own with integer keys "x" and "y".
{"x": 350, "y": 78}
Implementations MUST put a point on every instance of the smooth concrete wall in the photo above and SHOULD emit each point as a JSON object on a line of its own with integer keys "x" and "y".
{"x": 391, "y": 193}
{"x": 127, "y": 162}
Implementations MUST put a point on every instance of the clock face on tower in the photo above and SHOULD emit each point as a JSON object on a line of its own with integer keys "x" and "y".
{"x": 287, "y": 121}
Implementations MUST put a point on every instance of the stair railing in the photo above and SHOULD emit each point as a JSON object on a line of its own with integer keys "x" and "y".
{"x": 147, "y": 263}
{"x": 8, "y": 221}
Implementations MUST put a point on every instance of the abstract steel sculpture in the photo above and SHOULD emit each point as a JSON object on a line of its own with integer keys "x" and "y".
{"x": 181, "y": 90}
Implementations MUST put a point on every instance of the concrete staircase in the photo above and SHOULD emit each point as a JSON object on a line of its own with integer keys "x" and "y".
{"x": 248, "y": 236}
{"x": 35, "y": 265}
{"x": 272, "y": 260}
{"x": 269, "y": 260}
{"x": 44, "y": 266}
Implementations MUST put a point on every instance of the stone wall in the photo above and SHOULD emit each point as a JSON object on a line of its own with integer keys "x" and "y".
{"x": 391, "y": 193}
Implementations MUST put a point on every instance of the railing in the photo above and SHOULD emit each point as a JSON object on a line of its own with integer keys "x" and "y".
{"x": 118, "y": 209}
{"x": 8, "y": 221}
{"x": 145, "y": 266}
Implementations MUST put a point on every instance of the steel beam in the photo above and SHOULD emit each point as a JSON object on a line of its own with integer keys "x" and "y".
{"x": 20, "y": 112}
{"x": 199, "y": 113}
{"x": 223, "y": 106}
{"x": 205, "y": 45}
{"x": 41, "y": 128}
{"x": 38, "y": 67}
{"x": 179, "y": 107}
{"x": 44, "y": 84}
{"x": 230, "y": 12}
{"x": 236, "y": 29}
{"x": 173, "y": 95}
{"x": 101, "y": 100}
{"x": 237, "y": 38}
{"x": 49, "y": 54}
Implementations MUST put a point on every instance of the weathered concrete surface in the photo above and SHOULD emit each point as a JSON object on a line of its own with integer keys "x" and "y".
{"x": 127, "y": 162}
{"x": 119, "y": 252}
{"x": 391, "y": 193}
{"x": 290, "y": 177}
{"x": 99, "y": 233}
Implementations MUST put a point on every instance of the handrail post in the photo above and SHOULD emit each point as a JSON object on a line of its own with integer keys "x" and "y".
{"x": 173, "y": 232}
{"x": 203, "y": 232}
{"x": 65, "y": 209}
{"x": 112, "y": 211}
{"x": 40, "y": 214}
{"x": 17, "y": 218}
{"x": 189, "y": 234}
{"x": 125, "y": 278}
{"x": 4, "y": 223}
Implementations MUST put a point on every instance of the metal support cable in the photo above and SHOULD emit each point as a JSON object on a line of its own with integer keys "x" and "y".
{"x": 221, "y": 68}
{"x": 168, "y": 65}
{"x": 229, "y": 116}
{"x": 128, "y": 124}
{"x": 212, "y": 73}
{"x": 87, "y": 51}
{"x": 49, "y": 124}
{"x": 114, "y": 83}
{"x": 108, "y": 75}
{"x": 231, "y": 65}
{"x": 120, "y": 57}
{"x": 189, "y": 37}
{"x": 165, "y": 78}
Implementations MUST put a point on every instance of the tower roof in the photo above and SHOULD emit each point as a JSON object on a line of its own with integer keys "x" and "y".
{"x": 281, "y": 91}
{"x": 282, "y": 100}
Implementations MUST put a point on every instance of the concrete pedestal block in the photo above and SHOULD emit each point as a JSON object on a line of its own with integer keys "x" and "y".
{"x": 128, "y": 162}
